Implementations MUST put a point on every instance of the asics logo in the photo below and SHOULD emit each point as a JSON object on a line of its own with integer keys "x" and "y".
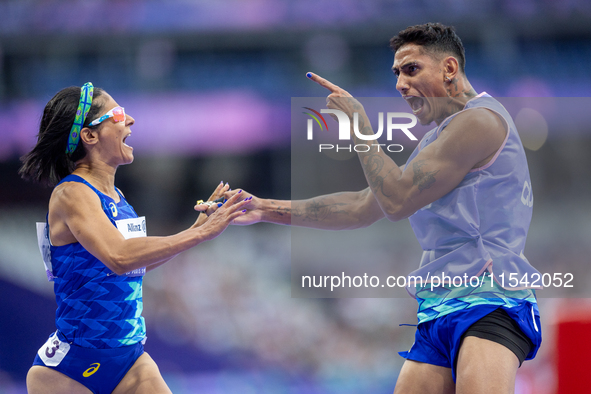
{"x": 93, "y": 368}
{"x": 113, "y": 208}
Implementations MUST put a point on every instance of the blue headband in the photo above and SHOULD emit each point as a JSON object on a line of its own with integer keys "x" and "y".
{"x": 83, "y": 108}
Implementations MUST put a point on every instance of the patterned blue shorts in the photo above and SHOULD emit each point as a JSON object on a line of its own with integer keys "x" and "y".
{"x": 100, "y": 370}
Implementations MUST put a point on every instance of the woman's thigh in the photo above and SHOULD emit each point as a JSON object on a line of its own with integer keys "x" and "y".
{"x": 143, "y": 377}
{"x": 43, "y": 380}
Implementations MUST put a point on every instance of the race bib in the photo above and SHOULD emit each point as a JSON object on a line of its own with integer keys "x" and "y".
{"x": 133, "y": 228}
{"x": 130, "y": 228}
{"x": 53, "y": 351}
{"x": 43, "y": 242}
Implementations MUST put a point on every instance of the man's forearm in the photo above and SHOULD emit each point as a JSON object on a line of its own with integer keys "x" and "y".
{"x": 339, "y": 211}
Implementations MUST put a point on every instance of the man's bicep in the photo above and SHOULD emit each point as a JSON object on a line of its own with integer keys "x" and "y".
{"x": 441, "y": 165}
{"x": 431, "y": 175}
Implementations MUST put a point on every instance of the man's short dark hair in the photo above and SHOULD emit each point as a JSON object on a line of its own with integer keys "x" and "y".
{"x": 433, "y": 37}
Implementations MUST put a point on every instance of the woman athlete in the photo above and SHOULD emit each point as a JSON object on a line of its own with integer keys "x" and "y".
{"x": 97, "y": 249}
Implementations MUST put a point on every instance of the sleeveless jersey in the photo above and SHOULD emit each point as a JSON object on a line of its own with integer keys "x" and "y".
{"x": 478, "y": 230}
{"x": 95, "y": 307}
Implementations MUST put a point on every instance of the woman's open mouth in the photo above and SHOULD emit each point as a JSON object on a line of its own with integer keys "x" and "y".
{"x": 126, "y": 139}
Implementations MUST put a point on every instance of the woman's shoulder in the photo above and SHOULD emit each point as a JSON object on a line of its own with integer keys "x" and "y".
{"x": 72, "y": 206}
{"x": 71, "y": 194}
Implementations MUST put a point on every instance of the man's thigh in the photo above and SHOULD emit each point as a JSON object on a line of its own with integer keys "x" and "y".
{"x": 143, "y": 377}
{"x": 485, "y": 367}
{"x": 422, "y": 378}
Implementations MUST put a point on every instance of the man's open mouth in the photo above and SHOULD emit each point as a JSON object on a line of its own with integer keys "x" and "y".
{"x": 416, "y": 103}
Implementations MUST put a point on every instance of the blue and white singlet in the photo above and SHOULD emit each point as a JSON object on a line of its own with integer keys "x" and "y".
{"x": 95, "y": 307}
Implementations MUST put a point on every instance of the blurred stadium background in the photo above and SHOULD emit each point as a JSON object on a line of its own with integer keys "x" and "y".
{"x": 210, "y": 85}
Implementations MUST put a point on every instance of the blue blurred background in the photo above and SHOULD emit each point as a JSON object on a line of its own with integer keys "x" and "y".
{"x": 210, "y": 86}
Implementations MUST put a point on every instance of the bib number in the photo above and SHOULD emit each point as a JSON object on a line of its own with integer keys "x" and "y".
{"x": 129, "y": 228}
{"x": 53, "y": 351}
{"x": 133, "y": 228}
{"x": 43, "y": 242}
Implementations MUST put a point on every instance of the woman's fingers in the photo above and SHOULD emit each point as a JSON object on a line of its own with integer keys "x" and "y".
{"x": 208, "y": 207}
{"x": 214, "y": 200}
{"x": 219, "y": 191}
{"x": 201, "y": 207}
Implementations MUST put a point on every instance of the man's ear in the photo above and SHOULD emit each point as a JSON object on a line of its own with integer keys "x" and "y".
{"x": 451, "y": 67}
{"x": 89, "y": 136}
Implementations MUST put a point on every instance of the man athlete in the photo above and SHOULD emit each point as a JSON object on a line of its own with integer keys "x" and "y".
{"x": 463, "y": 192}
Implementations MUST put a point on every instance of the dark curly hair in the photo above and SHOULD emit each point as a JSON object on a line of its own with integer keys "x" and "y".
{"x": 434, "y": 37}
{"x": 48, "y": 163}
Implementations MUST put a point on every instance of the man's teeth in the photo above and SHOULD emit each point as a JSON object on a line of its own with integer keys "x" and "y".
{"x": 417, "y": 104}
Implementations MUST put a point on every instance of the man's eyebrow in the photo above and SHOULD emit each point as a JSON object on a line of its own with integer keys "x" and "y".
{"x": 396, "y": 69}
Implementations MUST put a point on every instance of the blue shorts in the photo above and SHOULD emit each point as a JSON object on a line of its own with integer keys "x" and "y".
{"x": 100, "y": 370}
{"x": 438, "y": 341}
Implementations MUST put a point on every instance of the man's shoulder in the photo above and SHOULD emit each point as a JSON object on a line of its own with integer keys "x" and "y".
{"x": 480, "y": 121}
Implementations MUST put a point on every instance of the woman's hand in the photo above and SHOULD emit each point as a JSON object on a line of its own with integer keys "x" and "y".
{"x": 218, "y": 221}
{"x": 206, "y": 209}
